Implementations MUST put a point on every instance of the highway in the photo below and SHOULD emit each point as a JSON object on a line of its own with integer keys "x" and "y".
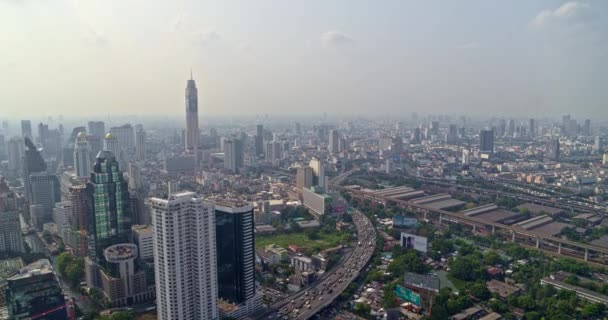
{"x": 306, "y": 303}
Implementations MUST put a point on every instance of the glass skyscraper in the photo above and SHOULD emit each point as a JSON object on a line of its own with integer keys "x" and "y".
{"x": 235, "y": 252}
{"x": 111, "y": 218}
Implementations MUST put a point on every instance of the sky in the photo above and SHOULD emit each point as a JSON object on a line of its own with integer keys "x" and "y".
{"x": 393, "y": 57}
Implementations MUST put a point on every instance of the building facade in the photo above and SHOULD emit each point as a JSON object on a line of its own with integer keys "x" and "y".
{"x": 192, "y": 132}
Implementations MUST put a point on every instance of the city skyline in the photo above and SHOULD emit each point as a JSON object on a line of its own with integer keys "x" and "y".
{"x": 541, "y": 57}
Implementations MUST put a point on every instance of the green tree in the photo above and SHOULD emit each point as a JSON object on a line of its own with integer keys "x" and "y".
{"x": 466, "y": 268}
{"x": 593, "y": 310}
{"x": 492, "y": 258}
{"x": 62, "y": 261}
{"x": 362, "y": 309}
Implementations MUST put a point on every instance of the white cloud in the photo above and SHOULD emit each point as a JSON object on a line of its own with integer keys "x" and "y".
{"x": 568, "y": 12}
{"x": 97, "y": 37}
{"x": 334, "y": 37}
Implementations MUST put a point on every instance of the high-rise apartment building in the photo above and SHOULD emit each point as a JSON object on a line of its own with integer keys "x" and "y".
{"x": 532, "y": 128}
{"x": 192, "y": 131}
{"x": 318, "y": 172}
{"x": 597, "y": 144}
{"x": 486, "y": 141}
{"x": 75, "y": 234}
{"x": 304, "y": 177}
{"x": 82, "y": 156}
{"x": 233, "y": 155}
{"x": 140, "y": 145}
{"x": 273, "y": 151}
{"x": 552, "y": 150}
{"x": 44, "y": 193}
{"x": 32, "y": 163}
{"x": 184, "y": 257}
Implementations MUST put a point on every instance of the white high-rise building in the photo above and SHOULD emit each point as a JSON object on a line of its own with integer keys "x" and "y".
{"x": 140, "y": 145}
{"x": 233, "y": 155}
{"x": 15, "y": 153}
{"x": 318, "y": 172}
{"x": 82, "y": 156}
{"x": 185, "y": 258}
{"x": 110, "y": 143}
{"x": 126, "y": 138}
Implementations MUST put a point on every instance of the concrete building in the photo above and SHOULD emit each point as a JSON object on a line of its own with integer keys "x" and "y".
{"x": 140, "y": 145}
{"x": 334, "y": 141}
{"x": 143, "y": 237}
{"x": 259, "y": 140}
{"x": 122, "y": 283}
{"x": 44, "y": 192}
{"x": 110, "y": 143}
{"x": 82, "y": 156}
{"x": 125, "y": 136}
{"x": 10, "y": 229}
{"x": 26, "y": 129}
{"x": 15, "y": 153}
{"x": 304, "y": 177}
{"x": 233, "y": 155}
{"x": 316, "y": 201}
{"x": 486, "y": 141}
{"x": 318, "y": 171}
{"x": 184, "y": 257}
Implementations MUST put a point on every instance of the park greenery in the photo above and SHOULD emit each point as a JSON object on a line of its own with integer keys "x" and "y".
{"x": 72, "y": 268}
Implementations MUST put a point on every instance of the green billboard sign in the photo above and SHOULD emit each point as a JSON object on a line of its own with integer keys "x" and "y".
{"x": 407, "y": 295}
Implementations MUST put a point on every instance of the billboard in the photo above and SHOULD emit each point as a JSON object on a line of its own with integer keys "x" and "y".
{"x": 411, "y": 241}
{"x": 407, "y": 295}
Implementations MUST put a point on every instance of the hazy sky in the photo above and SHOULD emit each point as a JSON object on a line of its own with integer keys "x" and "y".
{"x": 100, "y": 57}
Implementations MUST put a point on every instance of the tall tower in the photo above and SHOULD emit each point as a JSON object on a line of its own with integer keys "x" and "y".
{"x": 110, "y": 143}
{"x": 486, "y": 141}
{"x": 191, "y": 115}
{"x": 235, "y": 252}
{"x": 111, "y": 220}
{"x": 184, "y": 257}
{"x": 140, "y": 145}
{"x": 82, "y": 156}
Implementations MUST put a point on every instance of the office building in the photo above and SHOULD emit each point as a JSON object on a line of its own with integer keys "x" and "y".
{"x": 14, "y": 153}
{"x": 109, "y": 222}
{"x": 235, "y": 258}
{"x": 95, "y": 144}
{"x": 82, "y": 156}
{"x": 125, "y": 136}
{"x": 334, "y": 141}
{"x": 45, "y": 192}
{"x": 140, "y": 145}
{"x": 184, "y": 257}
{"x": 192, "y": 133}
{"x": 123, "y": 282}
{"x": 10, "y": 229}
{"x": 318, "y": 172}
{"x": 3, "y": 154}
{"x": 176, "y": 164}
{"x": 605, "y": 159}
{"x": 486, "y": 141}
{"x": 32, "y": 163}
{"x": 233, "y": 155}
{"x": 110, "y": 143}
{"x": 587, "y": 127}
{"x": 134, "y": 176}
{"x": 273, "y": 151}
{"x": 416, "y": 136}
{"x": 259, "y": 140}
{"x": 61, "y": 217}
{"x": 26, "y": 129}
{"x": 35, "y": 293}
{"x": 97, "y": 128}
{"x": 304, "y": 177}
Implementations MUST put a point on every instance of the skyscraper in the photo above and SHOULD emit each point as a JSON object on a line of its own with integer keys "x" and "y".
{"x": 552, "y": 150}
{"x": 486, "y": 141}
{"x": 597, "y": 144}
{"x": 304, "y": 177}
{"x": 82, "y": 156}
{"x": 26, "y": 129}
{"x": 192, "y": 132}
{"x": 110, "y": 143}
{"x": 532, "y": 128}
{"x": 15, "y": 153}
{"x": 334, "y": 141}
{"x": 259, "y": 140}
{"x": 44, "y": 192}
{"x": 82, "y": 209}
{"x": 273, "y": 151}
{"x": 110, "y": 222}
{"x": 97, "y": 128}
{"x": 10, "y": 230}
{"x": 140, "y": 145}
{"x": 318, "y": 172}
{"x": 2, "y": 147}
{"x": 32, "y": 162}
{"x": 233, "y": 155}
{"x": 185, "y": 260}
{"x": 126, "y": 138}
{"x": 235, "y": 252}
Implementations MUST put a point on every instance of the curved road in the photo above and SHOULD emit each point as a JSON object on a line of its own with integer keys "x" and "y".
{"x": 306, "y": 303}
